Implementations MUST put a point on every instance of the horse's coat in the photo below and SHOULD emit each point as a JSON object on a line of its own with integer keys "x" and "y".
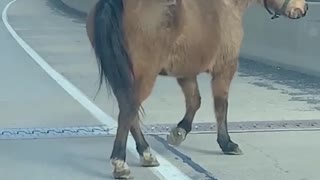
{"x": 137, "y": 40}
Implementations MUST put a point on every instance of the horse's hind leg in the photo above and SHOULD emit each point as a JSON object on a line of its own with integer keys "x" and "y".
{"x": 220, "y": 88}
{"x": 118, "y": 156}
{"x": 191, "y": 92}
{"x": 147, "y": 159}
{"x": 144, "y": 89}
{"x": 130, "y": 114}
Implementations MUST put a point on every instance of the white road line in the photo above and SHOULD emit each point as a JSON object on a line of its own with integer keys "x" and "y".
{"x": 165, "y": 171}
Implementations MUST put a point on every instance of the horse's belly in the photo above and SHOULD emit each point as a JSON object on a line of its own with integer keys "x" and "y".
{"x": 182, "y": 71}
{"x": 178, "y": 66}
{"x": 190, "y": 58}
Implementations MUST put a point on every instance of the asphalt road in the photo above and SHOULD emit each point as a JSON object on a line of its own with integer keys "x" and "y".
{"x": 29, "y": 97}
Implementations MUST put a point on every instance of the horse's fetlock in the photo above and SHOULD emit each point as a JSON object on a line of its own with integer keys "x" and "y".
{"x": 148, "y": 159}
{"x": 186, "y": 125}
{"x": 121, "y": 169}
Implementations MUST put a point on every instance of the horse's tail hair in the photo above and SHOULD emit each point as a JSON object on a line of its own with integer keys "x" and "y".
{"x": 115, "y": 65}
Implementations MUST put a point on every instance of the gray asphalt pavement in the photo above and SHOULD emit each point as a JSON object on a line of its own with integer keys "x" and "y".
{"x": 30, "y": 98}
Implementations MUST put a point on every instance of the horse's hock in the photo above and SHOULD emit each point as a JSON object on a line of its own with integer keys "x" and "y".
{"x": 281, "y": 42}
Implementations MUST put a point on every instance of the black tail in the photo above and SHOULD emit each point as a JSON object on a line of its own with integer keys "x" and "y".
{"x": 114, "y": 62}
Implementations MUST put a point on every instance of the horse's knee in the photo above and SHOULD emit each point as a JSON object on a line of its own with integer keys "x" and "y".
{"x": 220, "y": 87}
{"x": 221, "y": 80}
{"x": 191, "y": 92}
{"x": 221, "y": 108}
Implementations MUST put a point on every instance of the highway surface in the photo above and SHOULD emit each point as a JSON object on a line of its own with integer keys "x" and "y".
{"x": 49, "y": 79}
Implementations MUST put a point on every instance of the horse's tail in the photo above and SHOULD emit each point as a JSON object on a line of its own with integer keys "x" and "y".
{"x": 109, "y": 45}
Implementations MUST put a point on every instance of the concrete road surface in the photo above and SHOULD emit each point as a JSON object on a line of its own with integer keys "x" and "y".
{"x": 29, "y": 98}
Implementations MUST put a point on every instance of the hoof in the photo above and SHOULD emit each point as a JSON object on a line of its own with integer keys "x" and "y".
{"x": 176, "y": 136}
{"x": 121, "y": 169}
{"x": 232, "y": 149}
{"x": 148, "y": 159}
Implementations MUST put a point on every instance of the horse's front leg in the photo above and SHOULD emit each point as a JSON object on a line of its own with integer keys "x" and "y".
{"x": 220, "y": 84}
{"x": 191, "y": 92}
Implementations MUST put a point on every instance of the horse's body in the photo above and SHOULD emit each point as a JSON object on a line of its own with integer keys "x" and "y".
{"x": 137, "y": 40}
{"x": 180, "y": 44}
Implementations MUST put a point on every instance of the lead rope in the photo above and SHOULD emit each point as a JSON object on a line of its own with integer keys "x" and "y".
{"x": 277, "y": 13}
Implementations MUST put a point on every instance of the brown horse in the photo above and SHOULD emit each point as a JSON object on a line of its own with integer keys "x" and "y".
{"x": 137, "y": 40}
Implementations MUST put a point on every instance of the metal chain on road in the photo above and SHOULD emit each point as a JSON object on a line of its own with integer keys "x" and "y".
{"x": 159, "y": 129}
{"x": 247, "y": 126}
{"x": 37, "y": 133}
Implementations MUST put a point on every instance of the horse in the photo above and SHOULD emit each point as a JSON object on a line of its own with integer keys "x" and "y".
{"x": 135, "y": 41}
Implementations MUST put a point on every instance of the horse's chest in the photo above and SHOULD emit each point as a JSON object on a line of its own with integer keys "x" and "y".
{"x": 231, "y": 33}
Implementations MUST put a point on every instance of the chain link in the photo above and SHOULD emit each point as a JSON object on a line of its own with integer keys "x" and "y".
{"x": 36, "y": 133}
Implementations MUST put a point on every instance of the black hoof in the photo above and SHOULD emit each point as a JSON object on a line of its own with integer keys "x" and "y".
{"x": 231, "y": 148}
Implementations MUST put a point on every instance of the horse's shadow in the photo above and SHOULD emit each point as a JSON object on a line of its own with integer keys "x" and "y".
{"x": 202, "y": 151}
{"x": 76, "y": 162}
